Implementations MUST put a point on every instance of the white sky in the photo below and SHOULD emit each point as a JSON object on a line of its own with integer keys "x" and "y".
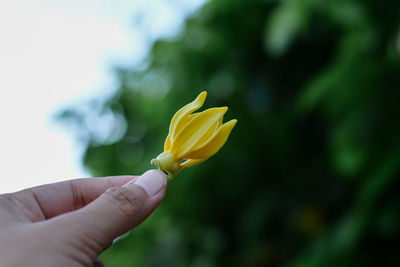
{"x": 54, "y": 53}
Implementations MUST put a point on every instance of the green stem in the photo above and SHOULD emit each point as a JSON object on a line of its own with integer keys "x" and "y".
{"x": 157, "y": 164}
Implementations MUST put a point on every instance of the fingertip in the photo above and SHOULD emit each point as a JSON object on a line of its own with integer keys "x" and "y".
{"x": 152, "y": 182}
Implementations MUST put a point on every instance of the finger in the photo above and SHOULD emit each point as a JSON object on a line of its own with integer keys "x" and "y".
{"x": 58, "y": 198}
{"x": 115, "y": 212}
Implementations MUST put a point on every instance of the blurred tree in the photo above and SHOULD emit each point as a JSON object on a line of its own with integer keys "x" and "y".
{"x": 310, "y": 174}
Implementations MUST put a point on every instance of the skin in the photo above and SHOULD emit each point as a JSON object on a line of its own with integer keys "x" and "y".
{"x": 72, "y": 222}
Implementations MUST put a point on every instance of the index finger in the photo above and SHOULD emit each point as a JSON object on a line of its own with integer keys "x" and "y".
{"x": 62, "y": 197}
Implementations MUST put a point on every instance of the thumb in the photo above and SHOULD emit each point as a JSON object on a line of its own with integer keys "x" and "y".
{"x": 116, "y": 211}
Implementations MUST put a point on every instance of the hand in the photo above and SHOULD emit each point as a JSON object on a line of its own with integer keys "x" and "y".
{"x": 71, "y": 223}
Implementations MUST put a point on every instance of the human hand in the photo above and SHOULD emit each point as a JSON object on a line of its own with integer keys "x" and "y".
{"x": 72, "y": 222}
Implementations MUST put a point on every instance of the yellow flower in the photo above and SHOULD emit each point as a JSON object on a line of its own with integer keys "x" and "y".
{"x": 193, "y": 138}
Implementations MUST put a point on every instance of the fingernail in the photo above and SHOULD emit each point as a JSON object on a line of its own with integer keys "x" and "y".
{"x": 152, "y": 182}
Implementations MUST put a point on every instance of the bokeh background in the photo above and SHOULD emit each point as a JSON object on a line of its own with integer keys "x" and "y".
{"x": 310, "y": 174}
{"x": 57, "y": 54}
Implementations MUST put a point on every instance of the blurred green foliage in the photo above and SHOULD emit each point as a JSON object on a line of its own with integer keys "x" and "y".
{"x": 310, "y": 174}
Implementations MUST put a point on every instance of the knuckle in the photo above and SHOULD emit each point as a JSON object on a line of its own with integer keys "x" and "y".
{"x": 78, "y": 197}
{"x": 124, "y": 199}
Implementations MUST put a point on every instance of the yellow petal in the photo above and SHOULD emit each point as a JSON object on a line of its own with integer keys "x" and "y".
{"x": 191, "y": 162}
{"x": 195, "y": 130}
{"x": 207, "y": 136}
{"x": 177, "y": 121}
{"x": 215, "y": 142}
{"x": 167, "y": 143}
{"x": 183, "y": 122}
{"x": 177, "y": 130}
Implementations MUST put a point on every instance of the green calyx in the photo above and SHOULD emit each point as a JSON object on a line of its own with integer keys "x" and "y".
{"x": 156, "y": 163}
